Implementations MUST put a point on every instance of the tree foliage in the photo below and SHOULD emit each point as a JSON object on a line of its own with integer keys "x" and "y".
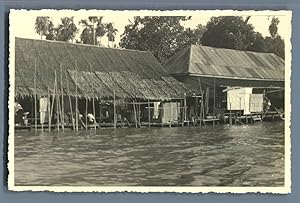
{"x": 93, "y": 29}
{"x": 111, "y": 33}
{"x": 273, "y": 27}
{"x": 86, "y": 36}
{"x": 66, "y": 30}
{"x": 273, "y": 44}
{"x": 230, "y": 32}
{"x": 42, "y": 25}
{"x": 163, "y": 36}
{"x": 235, "y": 33}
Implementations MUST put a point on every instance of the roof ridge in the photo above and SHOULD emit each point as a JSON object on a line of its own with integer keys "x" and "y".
{"x": 219, "y": 61}
{"x": 80, "y": 44}
{"x": 255, "y": 52}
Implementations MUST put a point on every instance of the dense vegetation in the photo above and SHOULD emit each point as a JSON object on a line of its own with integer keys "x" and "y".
{"x": 92, "y": 32}
{"x": 164, "y": 36}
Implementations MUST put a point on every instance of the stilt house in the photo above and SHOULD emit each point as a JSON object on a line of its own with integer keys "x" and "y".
{"x": 112, "y": 84}
{"x": 224, "y": 74}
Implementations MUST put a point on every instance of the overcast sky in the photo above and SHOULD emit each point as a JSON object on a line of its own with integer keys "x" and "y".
{"x": 25, "y": 20}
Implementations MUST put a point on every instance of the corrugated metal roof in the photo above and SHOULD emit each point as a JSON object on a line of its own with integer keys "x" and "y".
{"x": 227, "y": 63}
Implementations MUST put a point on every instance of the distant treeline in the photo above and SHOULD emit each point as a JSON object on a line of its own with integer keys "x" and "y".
{"x": 93, "y": 30}
{"x": 164, "y": 36}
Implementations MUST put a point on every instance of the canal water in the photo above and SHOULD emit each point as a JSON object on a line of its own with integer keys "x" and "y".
{"x": 240, "y": 155}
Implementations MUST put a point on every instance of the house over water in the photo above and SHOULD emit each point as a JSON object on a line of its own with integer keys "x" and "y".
{"x": 53, "y": 79}
{"x": 232, "y": 74}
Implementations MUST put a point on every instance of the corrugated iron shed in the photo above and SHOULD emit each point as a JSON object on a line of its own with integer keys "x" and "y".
{"x": 226, "y": 63}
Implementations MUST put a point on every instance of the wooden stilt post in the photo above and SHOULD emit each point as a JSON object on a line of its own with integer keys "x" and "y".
{"x": 177, "y": 118}
{"x": 185, "y": 108}
{"x": 57, "y": 102}
{"x": 62, "y": 100}
{"x": 149, "y": 114}
{"x": 71, "y": 111}
{"x": 32, "y": 113}
{"x": 182, "y": 113}
{"x": 214, "y": 107}
{"x": 86, "y": 112}
{"x": 139, "y": 113}
{"x": 76, "y": 98}
{"x": 35, "y": 97}
{"x": 240, "y": 110}
{"x": 42, "y": 122}
{"x": 49, "y": 109}
{"x": 200, "y": 116}
{"x": 170, "y": 105}
{"x": 70, "y": 102}
{"x": 250, "y": 116}
{"x": 76, "y": 113}
{"x": 115, "y": 111}
{"x": 235, "y": 118}
{"x": 57, "y": 108}
{"x": 134, "y": 111}
{"x": 230, "y": 117}
{"x": 52, "y": 105}
{"x": 60, "y": 111}
{"x": 244, "y": 110}
{"x": 202, "y": 109}
{"x": 100, "y": 113}
{"x": 196, "y": 109}
{"x": 94, "y": 113}
{"x": 201, "y": 103}
{"x": 207, "y": 101}
{"x": 162, "y": 114}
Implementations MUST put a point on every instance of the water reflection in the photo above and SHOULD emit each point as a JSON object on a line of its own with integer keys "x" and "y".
{"x": 249, "y": 155}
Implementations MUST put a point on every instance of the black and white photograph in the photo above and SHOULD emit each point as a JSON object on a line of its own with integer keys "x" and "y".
{"x": 149, "y": 101}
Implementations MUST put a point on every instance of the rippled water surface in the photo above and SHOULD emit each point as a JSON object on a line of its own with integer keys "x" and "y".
{"x": 245, "y": 155}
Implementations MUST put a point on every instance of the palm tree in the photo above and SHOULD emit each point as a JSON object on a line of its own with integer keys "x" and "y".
{"x": 94, "y": 19}
{"x": 51, "y": 35}
{"x": 111, "y": 33}
{"x": 42, "y": 25}
{"x": 273, "y": 28}
{"x": 66, "y": 30}
{"x": 100, "y": 29}
{"x": 93, "y": 28}
{"x": 86, "y": 35}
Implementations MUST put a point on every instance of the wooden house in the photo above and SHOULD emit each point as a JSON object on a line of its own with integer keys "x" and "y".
{"x": 215, "y": 71}
{"x": 110, "y": 83}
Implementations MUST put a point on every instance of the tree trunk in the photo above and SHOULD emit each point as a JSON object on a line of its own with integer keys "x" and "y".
{"x": 94, "y": 35}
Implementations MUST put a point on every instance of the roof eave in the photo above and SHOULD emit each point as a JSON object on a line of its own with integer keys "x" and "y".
{"x": 226, "y": 77}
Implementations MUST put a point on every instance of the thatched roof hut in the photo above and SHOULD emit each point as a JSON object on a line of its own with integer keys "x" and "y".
{"x": 97, "y": 71}
{"x": 227, "y": 67}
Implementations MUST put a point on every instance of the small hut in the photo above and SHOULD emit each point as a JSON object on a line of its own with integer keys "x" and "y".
{"x": 59, "y": 80}
{"x": 219, "y": 73}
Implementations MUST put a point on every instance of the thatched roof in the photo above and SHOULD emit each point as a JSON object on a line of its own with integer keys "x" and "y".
{"x": 226, "y": 64}
{"x": 97, "y": 71}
